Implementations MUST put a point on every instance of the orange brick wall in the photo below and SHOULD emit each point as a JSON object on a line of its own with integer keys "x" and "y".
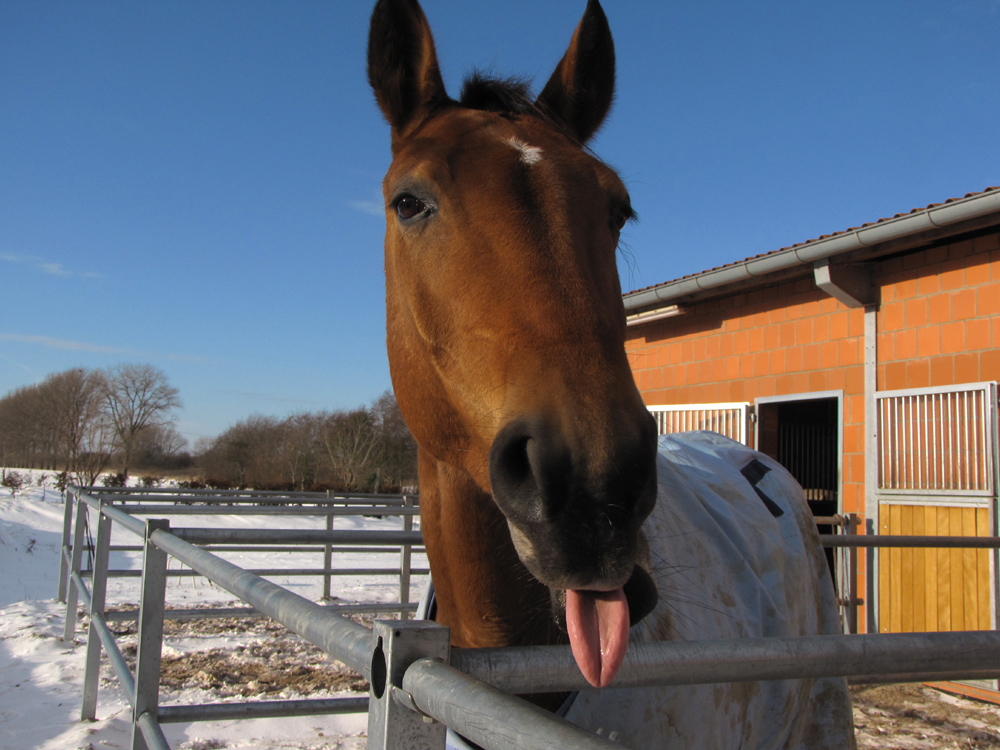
{"x": 786, "y": 339}
{"x": 939, "y": 321}
{"x": 938, "y": 324}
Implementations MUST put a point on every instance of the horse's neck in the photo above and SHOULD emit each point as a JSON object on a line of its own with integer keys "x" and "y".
{"x": 483, "y": 591}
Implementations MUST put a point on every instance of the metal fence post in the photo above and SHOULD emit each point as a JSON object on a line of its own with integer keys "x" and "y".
{"x": 68, "y": 497}
{"x": 851, "y": 555}
{"x": 871, "y": 595}
{"x": 405, "y": 556}
{"x": 393, "y": 721}
{"x": 71, "y": 593}
{"x": 99, "y": 586}
{"x": 327, "y": 557}
{"x": 147, "y": 666}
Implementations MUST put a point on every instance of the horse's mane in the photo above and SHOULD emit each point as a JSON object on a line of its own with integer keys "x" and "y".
{"x": 508, "y": 97}
{"x": 505, "y": 96}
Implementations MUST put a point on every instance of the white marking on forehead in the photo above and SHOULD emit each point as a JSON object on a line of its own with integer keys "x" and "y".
{"x": 529, "y": 154}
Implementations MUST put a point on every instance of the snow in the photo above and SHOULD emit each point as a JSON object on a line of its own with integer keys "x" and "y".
{"x": 41, "y": 676}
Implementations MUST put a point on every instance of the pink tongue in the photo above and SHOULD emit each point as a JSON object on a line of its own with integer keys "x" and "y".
{"x": 598, "y": 626}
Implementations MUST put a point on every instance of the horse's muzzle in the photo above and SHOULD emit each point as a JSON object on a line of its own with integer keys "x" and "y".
{"x": 575, "y": 506}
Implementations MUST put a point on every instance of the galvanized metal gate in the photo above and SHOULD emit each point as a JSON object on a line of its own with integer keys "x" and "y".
{"x": 731, "y": 419}
{"x": 937, "y": 475}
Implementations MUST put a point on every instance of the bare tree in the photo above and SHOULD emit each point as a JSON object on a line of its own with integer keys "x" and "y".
{"x": 398, "y": 450}
{"x": 302, "y": 449}
{"x": 95, "y": 453}
{"x": 136, "y": 397}
{"x": 23, "y": 432}
{"x": 245, "y": 454}
{"x": 352, "y": 446}
{"x": 73, "y": 399}
{"x": 158, "y": 446}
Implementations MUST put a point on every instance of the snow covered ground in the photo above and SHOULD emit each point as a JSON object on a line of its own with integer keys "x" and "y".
{"x": 253, "y": 659}
{"x": 204, "y": 661}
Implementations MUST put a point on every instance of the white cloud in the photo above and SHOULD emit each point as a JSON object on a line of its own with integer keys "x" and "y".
{"x": 83, "y": 346}
{"x": 372, "y": 208}
{"x": 53, "y": 343}
{"x": 48, "y": 267}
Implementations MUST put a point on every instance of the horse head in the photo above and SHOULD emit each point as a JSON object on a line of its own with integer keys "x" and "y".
{"x": 505, "y": 332}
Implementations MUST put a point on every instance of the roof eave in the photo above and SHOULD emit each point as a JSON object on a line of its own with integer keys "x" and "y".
{"x": 900, "y": 227}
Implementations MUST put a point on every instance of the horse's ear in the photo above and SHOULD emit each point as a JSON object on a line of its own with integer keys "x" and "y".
{"x": 402, "y": 64}
{"x": 580, "y": 91}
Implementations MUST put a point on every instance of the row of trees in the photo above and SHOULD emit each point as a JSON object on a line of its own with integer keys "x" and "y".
{"x": 80, "y": 420}
{"x": 368, "y": 449}
{"x": 87, "y": 422}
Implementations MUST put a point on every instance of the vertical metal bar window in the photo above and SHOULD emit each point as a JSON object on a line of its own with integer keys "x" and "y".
{"x": 937, "y": 441}
{"x": 730, "y": 419}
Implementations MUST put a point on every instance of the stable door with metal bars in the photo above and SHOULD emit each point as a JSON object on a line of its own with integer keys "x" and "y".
{"x": 937, "y": 476}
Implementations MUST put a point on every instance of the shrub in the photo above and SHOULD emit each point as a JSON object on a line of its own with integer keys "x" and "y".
{"x": 114, "y": 480}
{"x": 63, "y": 480}
{"x": 150, "y": 481}
{"x": 14, "y": 481}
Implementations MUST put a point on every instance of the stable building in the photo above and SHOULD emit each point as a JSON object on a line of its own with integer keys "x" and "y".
{"x": 866, "y": 362}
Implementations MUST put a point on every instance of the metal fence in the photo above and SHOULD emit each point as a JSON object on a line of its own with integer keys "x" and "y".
{"x": 418, "y": 687}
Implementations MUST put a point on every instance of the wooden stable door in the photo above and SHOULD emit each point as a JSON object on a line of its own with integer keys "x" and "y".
{"x": 935, "y": 589}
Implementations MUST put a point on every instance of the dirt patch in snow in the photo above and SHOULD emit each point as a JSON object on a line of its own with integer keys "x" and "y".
{"x": 916, "y": 717}
{"x": 271, "y": 661}
{"x": 269, "y": 669}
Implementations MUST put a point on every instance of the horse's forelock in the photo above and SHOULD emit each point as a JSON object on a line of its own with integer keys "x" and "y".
{"x": 506, "y": 96}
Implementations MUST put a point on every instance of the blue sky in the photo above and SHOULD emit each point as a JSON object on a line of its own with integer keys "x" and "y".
{"x": 196, "y": 184}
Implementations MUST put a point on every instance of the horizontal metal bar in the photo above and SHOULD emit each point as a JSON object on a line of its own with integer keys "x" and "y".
{"x": 309, "y": 548}
{"x": 938, "y": 496}
{"x": 897, "y": 540}
{"x": 962, "y": 388}
{"x": 968, "y": 502}
{"x": 488, "y": 717}
{"x": 945, "y": 676}
{"x": 552, "y": 668}
{"x": 81, "y": 588}
{"x": 837, "y": 520}
{"x": 271, "y": 549}
{"x": 265, "y": 510}
{"x": 262, "y": 709}
{"x": 134, "y": 525}
{"x": 208, "y": 613}
{"x": 125, "y": 677}
{"x": 338, "y": 496}
{"x": 296, "y": 536}
{"x": 342, "y": 639}
{"x": 279, "y": 500}
{"x": 152, "y": 732}
{"x": 276, "y": 572}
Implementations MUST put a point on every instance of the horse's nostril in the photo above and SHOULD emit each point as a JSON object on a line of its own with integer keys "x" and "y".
{"x": 528, "y": 471}
{"x": 516, "y": 463}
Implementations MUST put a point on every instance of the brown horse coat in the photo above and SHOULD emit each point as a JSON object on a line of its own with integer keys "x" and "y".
{"x": 538, "y": 459}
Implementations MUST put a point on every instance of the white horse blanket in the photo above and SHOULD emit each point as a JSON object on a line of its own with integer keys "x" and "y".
{"x": 736, "y": 555}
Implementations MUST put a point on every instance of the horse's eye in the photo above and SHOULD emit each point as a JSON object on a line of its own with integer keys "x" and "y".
{"x": 409, "y": 207}
{"x": 620, "y": 217}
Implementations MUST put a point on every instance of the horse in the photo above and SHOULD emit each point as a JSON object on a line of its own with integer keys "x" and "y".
{"x": 548, "y": 507}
